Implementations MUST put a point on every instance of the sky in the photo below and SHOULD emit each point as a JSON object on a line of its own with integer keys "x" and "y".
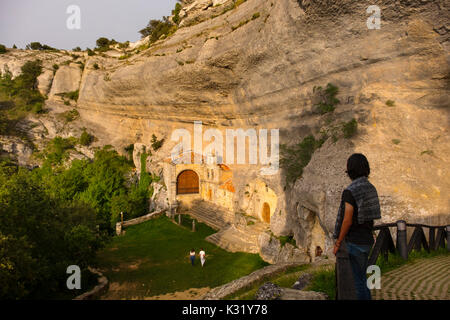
{"x": 45, "y": 21}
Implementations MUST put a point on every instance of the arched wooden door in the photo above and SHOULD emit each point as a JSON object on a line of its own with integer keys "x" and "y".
{"x": 266, "y": 212}
{"x": 187, "y": 182}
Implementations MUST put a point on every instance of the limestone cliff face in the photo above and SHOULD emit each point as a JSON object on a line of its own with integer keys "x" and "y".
{"x": 255, "y": 66}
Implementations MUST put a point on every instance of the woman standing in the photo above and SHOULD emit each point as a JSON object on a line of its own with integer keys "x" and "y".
{"x": 192, "y": 256}
{"x": 354, "y": 223}
{"x": 202, "y": 256}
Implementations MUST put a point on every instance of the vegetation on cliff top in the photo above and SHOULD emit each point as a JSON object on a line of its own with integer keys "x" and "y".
{"x": 38, "y": 46}
{"x": 19, "y": 96}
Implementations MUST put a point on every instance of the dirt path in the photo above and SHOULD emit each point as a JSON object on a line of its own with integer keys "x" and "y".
{"x": 116, "y": 292}
{"x": 190, "y": 294}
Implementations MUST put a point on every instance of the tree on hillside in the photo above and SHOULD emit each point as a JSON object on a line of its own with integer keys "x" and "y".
{"x": 156, "y": 28}
{"x": 102, "y": 42}
{"x": 38, "y": 46}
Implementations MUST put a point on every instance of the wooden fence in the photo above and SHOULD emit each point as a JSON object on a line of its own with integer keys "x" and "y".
{"x": 437, "y": 236}
{"x": 384, "y": 243}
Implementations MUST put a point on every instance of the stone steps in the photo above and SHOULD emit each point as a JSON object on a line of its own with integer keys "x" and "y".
{"x": 234, "y": 240}
{"x": 211, "y": 214}
{"x": 228, "y": 236}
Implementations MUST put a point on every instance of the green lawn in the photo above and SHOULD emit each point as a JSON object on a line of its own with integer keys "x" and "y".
{"x": 152, "y": 258}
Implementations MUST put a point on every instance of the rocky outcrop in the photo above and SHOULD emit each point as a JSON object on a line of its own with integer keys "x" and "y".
{"x": 272, "y": 251}
{"x": 67, "y": 79}
{"x": 270, "y": 291}
{"x": 20, "y": 150}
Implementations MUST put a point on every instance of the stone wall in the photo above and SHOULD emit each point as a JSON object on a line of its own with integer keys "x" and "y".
{"x": 132, "y": 222}
{"x": 241, "y": 283}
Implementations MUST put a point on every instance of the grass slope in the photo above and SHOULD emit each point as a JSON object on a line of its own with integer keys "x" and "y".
{"x": 152, "y": 258}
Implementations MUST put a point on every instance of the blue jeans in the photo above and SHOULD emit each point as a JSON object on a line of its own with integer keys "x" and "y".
{"x": 192, "y": 259}
{"x": 359, "y": 259}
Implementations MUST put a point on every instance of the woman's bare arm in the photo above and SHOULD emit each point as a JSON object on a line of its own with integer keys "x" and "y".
{"x": 348, "y": 216}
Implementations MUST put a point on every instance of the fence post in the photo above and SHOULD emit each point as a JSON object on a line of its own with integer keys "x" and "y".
{"x": 193, "y": 225}
{"x": 179, "y": 219}
{"x": 432, "y": 238}
{"x": 402, "y": 246}
{"x": 448, "y": 237}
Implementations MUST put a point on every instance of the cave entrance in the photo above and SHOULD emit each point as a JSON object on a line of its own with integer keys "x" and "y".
{"x": 187, "y": 182}
{"x": 266, "y": 212}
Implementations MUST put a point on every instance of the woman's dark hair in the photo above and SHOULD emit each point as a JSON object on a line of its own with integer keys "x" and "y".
{"x": 357, "y": 166}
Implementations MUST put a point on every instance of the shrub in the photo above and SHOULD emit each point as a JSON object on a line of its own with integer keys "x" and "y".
{"x": 86, "y": 139}
{"x": 428, "y": 152}
{"x": 102, "y": 42}
{"x": 90, "y": 52}
{"x": 294, "y": 159}
{"x": 34, "y": 46}
{"x": 37, "y": 108}
{"x": 390, "y": 103}
{"x": 350, "y": 128}
{"x": 256, "y": 15}
{"x": 71, "y": 115}
{"x": 96, "y": 67}
{"x": 238, "y": 3}
{"x": 157, "y": 29}
{"x": 129, "y": 150}
{"x": 287, "y": 239}
{"x": 38, "y": 46}
{"x": 124, "y": 45}
{"x": 73, "y": 95}
{"x": 77, "y": 49}
{"x": 395, "y": 141}
{"x": 156, "y": 144}
{"x": 2, "y": 49}
{"x": 56, "y": 150}
{"x": 30, "y": 71}
{"x": 55, "y": 68}
{"x": 326, "y": 98}
{"x": 21, "y": 92}
{"x": 125, "y": 56}
{"x": 176, "y": 13}
{"x": 240, "y": 25}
